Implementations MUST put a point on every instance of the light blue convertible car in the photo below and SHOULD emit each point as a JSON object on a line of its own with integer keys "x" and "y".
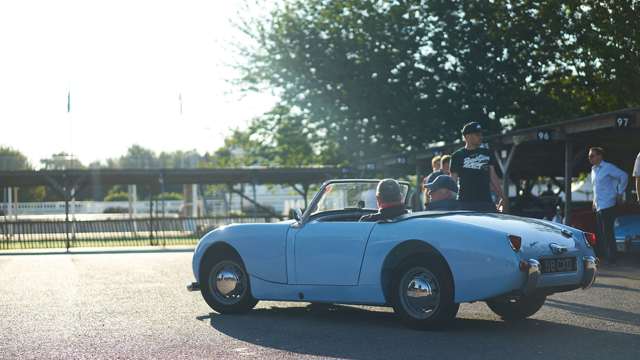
{"x": 423, "y": 264}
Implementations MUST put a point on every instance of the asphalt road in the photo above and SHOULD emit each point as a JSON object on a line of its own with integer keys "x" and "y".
{"x": 134, "y": 305}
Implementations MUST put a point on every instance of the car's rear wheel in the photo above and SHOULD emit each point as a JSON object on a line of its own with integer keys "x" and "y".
{"x": 517, "y": 309}
{"x": 422, "y": 293}
{"x": 224, "y": 284}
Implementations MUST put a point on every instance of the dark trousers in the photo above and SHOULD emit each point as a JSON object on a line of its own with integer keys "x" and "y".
{"x": 606, "y": 241}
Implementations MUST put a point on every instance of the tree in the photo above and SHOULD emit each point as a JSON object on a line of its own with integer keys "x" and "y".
{"x": 347, "y": 66}
{"x": 383, "y": 77}
{"x": 603, "y": 54}
{"x": 61, "y": 161}
{"x": 115, "y": 194}
{"x": 138, "y": 157}
{"x": 289, "y": 138}
{"x": 11, "y": 159}
{"x": 238, "y": 150}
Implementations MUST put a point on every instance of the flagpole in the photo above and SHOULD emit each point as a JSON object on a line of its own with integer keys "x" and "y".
{"x": 72, "y": 191}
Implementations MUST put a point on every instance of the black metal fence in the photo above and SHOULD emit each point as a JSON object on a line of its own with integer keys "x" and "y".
{"x": 33, "y": 234}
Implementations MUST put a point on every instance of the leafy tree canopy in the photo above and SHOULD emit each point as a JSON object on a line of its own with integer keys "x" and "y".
{"x": 382, "y": 76}
{"x": 11, "y": 159}
{"x": 61, "y": 161}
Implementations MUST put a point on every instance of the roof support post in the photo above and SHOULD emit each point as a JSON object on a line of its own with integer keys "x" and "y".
{"x": 418, "y": 200}
{"x": 255, "y": 200}
{"x": 151, "y": 242}
{"x": 504, "y": 167}
{"x": 568, "y": 174}
{"x": 66, "y": 192}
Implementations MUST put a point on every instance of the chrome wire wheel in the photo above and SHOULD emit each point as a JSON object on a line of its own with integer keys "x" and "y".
{"x": 227, "y": 282}
{"x": 420, "y": 293}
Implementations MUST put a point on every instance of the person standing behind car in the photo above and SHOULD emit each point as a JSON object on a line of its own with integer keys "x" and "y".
{"x": 609, "y": 183}
{"x": 435, "y": 166}
{"x": 443, "y": 169}
{"x": 442, "y": 194}
{"x": 474, "y": 168}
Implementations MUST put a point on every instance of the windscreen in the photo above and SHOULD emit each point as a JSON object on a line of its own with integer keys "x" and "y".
{"x": 339, "y": 196}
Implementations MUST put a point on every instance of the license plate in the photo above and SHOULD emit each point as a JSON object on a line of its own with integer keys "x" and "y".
{"x": 568, "y": 264}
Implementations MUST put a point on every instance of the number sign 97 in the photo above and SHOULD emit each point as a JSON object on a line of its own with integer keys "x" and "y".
{"x": 622, "y": 121}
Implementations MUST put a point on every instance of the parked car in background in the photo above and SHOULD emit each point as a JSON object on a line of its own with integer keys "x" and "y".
{"x": 627, "y": 232}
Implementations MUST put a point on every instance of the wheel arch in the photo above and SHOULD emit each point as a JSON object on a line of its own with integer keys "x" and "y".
{"x": 218, "y": 248}
{"x": 403, "y": 251}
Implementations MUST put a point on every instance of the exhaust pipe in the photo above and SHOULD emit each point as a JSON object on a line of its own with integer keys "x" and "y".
{"x": 194, "y": 286}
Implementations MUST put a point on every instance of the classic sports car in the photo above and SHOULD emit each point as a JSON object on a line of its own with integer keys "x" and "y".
{"x": 424, "y": 264}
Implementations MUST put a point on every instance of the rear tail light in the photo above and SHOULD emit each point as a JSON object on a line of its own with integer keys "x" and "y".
{"x": 516, "y": 242}
{"x": 590, "y": 239}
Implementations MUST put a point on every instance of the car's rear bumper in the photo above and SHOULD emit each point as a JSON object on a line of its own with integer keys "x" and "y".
{"x": 534, "y": 279}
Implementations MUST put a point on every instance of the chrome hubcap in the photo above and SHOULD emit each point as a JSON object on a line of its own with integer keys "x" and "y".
{"x": 227, "y": 282}
{"x": 420, "y": 293}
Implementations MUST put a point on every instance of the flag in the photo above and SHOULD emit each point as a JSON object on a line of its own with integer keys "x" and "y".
{"x": 69, "y": 101}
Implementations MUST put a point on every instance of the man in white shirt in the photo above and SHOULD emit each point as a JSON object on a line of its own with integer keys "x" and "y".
{"x": 609, "y": 183}
{"x": 636, "y": 174}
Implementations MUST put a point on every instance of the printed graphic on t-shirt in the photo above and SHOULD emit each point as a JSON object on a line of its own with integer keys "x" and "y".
{"x": 478, "y": 162}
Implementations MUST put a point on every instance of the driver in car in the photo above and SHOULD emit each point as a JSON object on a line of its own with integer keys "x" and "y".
{"x": 389, "y": 200}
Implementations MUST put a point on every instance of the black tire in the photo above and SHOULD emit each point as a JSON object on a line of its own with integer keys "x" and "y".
{"x": 417, "y": 308}
{"x": 517, "y": 309}
{"x": 238, "y": 300}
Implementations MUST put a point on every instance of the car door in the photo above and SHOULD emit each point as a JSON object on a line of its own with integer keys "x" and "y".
{"x": 329, "y": 253}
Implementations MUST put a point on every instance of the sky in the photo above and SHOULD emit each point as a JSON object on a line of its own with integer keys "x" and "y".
{"x": 125, "y": 64}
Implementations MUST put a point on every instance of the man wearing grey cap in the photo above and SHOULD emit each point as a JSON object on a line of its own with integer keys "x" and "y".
{"x": 474, "y": 168}
{"x": 442, "y": 194}
{"x": 389, "y": 199}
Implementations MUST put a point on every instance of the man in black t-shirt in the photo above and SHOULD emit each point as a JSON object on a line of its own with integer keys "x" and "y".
{"x": 474, "y": 168}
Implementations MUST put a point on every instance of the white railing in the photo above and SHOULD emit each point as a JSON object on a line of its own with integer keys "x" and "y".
{"x": 216, "y": 207}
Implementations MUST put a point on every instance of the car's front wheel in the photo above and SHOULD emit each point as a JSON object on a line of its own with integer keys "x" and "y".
{"x": 423, "y": 293}
{"x": 517, "y": 309}
{"x": 224, "y": 284}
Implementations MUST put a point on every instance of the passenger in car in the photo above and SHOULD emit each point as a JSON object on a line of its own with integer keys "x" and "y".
{"x": 442, "y": 194}
{"x": 389, "y": 200}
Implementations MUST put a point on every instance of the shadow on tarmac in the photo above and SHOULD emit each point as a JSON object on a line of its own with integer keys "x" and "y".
{"x": 596, "y": 312}
{"x": 357, "y": 333}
